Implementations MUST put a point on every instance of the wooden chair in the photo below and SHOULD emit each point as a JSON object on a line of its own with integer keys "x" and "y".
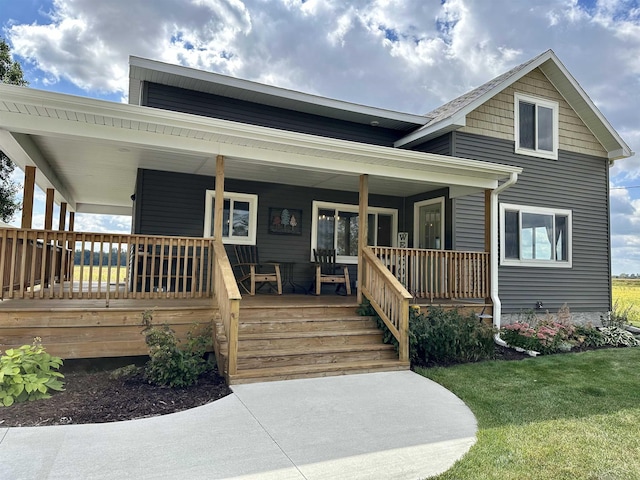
{"x": 327, "y": 271}
{"x": 251, "y": 272}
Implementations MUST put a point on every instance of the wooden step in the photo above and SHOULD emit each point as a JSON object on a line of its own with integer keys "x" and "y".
{"x": 306, "y": 324}
{"x": 311, "y": 371}
{"x": 315, "y": 356}
{"x": 281, "y": 340}
{"x": 298, "y": 311}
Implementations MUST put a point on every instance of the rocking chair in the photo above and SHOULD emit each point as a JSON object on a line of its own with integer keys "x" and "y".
{"x": 327, "y": 271}
{"x": 251, "y": 272}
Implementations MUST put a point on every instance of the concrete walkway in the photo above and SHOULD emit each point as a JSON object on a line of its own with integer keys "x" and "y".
{"x": 395, "y": 425}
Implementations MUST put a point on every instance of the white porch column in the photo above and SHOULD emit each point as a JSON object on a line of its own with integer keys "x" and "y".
{"x": 363, "y": 217}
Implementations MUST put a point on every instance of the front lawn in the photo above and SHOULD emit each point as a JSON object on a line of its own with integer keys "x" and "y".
{"x": 567, "y": 416}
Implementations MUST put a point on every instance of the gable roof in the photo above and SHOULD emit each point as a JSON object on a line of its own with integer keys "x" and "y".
{"x": 452, "y": 115}
{"x": 145, "y": 70}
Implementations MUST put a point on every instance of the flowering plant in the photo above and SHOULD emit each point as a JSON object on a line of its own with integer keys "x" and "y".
{"x": 547, "y": 336}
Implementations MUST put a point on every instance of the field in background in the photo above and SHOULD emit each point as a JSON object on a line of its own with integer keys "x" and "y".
{"x": 95, "y": 274}
{"x": 626, "y": 295}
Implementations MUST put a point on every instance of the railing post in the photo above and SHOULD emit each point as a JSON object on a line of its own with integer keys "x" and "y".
{"x": 403, "y": 341}
{"x": 234, "y": 314}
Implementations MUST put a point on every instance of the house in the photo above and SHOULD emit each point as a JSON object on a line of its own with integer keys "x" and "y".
{"x": 498, "y": 198}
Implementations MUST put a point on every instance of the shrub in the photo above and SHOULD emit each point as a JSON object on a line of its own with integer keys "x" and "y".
{"x": 619, "y": 315}
{"x": 28, "y": 373}
{"x": 442, "y": 337}
{"x": 169, "y": 364}
{"x": 588, "y": 336}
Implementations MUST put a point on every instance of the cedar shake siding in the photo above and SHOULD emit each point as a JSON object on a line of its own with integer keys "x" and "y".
{"x": 215, "y": 106}
{"x": 576, "y": 182}
{"x": 494, "y": 118}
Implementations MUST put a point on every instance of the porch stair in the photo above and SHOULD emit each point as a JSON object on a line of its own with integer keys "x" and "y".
{"x": 304, "y": 341}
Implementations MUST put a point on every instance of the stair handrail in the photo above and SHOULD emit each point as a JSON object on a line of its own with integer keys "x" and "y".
{"x": 388, "y": 297}
{"x": 228, "y": 297}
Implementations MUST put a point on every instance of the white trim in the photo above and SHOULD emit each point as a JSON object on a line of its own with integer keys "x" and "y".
{"x": 253, "y": 216}
{"x": 542, "y": 211}
{"x": 416, "y": 219}
{"x": 538, "y": 102}
{"x": 317, "y": 205}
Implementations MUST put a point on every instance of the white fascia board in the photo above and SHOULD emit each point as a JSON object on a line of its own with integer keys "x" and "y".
{"x": 432, "y": 131}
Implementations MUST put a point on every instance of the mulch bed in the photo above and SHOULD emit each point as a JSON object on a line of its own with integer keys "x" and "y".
{"x": 98, "y": 397}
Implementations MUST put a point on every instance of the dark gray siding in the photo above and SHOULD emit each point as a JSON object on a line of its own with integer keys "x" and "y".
{"x": 208, "y": 105}
{"x": 174, "y": 204}
{"x": 575, "y": 182}
{"x": 441, "y": 145}
{"x": 468, "y": 229}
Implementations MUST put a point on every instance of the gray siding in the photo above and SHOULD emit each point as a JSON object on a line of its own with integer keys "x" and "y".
{"x": 576, "y": 182}
{"x": 174, "y": 204}
{"x": 208, "y": 105}
{"x": 441, "y": 145}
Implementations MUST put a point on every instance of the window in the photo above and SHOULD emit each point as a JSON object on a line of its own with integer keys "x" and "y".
{"x": 239, "y": 217}
{"x": 335, "y": 226}
{"x": 536, "y": 126}
{"x": 534, "y": 236}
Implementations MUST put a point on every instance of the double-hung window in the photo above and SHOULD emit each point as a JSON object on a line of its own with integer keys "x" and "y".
{"x": 336, "y": 226}
{"x": 535, "y": 236}
{"x": 536, "y": 126}
{"x": 239, "y": 217}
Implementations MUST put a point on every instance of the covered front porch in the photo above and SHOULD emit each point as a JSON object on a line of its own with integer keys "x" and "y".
{"x": 88, "y": 156}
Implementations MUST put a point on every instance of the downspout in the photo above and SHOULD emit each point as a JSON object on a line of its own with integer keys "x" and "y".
{"x": 495, "y": 262}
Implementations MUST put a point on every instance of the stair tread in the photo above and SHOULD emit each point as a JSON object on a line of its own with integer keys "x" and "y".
{"x": 321, "y": 349}
{"x": 338, "y": 318}
{"x": 307, "y": 334}
{"x": 327, "y": 367}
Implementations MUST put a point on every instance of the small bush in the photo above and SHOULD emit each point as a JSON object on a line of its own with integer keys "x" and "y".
{"x": 28, "y": 373}
{"x": 588, "y": 336}
{"x": 619, "y": 315}
{"x": 442, "y": 337}
{"x": 169, "y": 364}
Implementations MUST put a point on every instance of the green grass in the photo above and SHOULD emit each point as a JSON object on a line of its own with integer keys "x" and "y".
{"x": 573, "y": 416}
{"x": 95, "y": 274}
{"x": 626, "y": 295}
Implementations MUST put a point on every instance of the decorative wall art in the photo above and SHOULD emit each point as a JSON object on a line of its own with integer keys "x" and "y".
{"x": 285, "y": 221}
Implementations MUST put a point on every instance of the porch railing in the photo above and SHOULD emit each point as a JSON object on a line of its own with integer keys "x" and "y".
{"x": 37, "y": 264}
{"x": 438, "y": 274}
{"x": 388, "y": 297}
{"x": 228, "y": 297}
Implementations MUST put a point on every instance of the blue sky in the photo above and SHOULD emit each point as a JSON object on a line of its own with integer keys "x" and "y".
{"x": 410, "y": 55}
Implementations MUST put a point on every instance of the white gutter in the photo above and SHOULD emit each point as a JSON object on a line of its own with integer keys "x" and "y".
{"x": 495, "y": 262}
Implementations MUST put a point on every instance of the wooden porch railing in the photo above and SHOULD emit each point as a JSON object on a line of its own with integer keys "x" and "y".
{"x": 228, "y": 296}
{"x": 388, "y": 297}
{"x": 438, "y": 274}
{"x": 38, "y": 264}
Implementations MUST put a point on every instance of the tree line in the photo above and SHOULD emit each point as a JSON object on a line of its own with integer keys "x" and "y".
{"x": 90, "y": 257}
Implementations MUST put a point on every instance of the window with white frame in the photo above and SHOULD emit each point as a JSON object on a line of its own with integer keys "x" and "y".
{"x": 239, "y": 217}
{"x": 335, "y": 226}
{"x": 535, "y": 236}
{"x": 536, "y": 126}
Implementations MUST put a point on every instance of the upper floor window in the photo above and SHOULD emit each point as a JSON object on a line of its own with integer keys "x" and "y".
{"x": 239, "y": 217}
{"x": 336, "y": 226}
{"x": 535, "y": 236}
{"x": 536, "y": 126}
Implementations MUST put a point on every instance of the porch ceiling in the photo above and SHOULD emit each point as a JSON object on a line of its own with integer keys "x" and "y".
{"x": 89, "y": 151}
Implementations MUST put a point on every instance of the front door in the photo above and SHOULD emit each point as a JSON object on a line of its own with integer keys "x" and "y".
{"x": 429, "y": 224}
